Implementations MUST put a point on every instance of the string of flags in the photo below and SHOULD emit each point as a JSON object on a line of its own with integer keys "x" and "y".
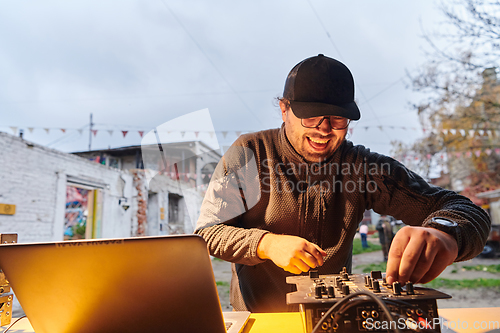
{"x": 124, "y": 133}
{"x": 464, "y": 132}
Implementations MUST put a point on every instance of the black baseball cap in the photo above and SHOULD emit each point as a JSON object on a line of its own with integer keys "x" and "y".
{"x": 321, "y": 86}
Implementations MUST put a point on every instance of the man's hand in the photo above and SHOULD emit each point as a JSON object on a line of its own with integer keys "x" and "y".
{"x": 419, "y": 254}
{"x": 292, "y": 253}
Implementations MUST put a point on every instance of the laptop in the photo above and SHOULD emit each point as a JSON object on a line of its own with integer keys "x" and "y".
{"x": 143, "y": 284}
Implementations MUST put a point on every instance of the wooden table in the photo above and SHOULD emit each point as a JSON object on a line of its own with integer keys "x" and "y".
{"x": 461, "y": 320}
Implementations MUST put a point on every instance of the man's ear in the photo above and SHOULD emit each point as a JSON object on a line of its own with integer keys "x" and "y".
{"x": 283, "y": 110}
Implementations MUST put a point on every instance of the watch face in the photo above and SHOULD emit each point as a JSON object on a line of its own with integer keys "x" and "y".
{"x": 445, "y": 222}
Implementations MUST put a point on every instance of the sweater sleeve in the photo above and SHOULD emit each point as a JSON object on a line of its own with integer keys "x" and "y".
{"x": 233, "y": 190}
{"x": 403, "y": 194}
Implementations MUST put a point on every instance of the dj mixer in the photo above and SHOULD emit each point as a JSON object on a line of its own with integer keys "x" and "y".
{"x": 363, "y": 303}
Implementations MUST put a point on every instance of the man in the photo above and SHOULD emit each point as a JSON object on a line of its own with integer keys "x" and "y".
{"x": 287, "y": 200}
{"x": 385, "y": 235}
{"x": 363, "y": 232}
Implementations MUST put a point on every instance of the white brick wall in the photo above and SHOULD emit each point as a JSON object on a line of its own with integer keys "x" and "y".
{"x": 33, "y": 178}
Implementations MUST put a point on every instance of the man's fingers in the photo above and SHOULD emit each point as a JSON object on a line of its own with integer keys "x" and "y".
{"x": 410, "y": 258}
{"x": 424, "y": 264}
{"x": 436, "y": 267}
{"x": 429, "y": 276}
{"x": 395, "y": 253}
{"x": 301, "y": 265}
{"x": 318, "y": 253}
{"x": 292, "y": 269}
{"x": 308, "y": 259}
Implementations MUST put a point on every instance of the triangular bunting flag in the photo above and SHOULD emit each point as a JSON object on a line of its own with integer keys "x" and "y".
{"x": 458, "y": 154}
{"x": 428, "y": 156}
{"x": 497, "y": 151}
{"x": 445, "y": 131}
{"x": 211, "y": 134}
{"x": 80, "y": 131}
{"x": 366, "y": 128}
{"x": 471, "y": 132}
{"x": 453, "y": 131}
{"x": 224, "y": 133}
{"x": 488, "y": 151}
{"x": 47, "y": 130}
{"x": 462, "y": 131}
{"x": 497, "y": 133}
{"x": 477, "y": 153}
{"x": 110, "y": 132}
{"x": 94, "y": 132}
{"x": 350, "y": 131}
{"x": 124, "y": 133}
{"x": 490, "y": 133}
{"x": 63, "y": 130}
{"x": 423, "y": 129}
{"x": 468, "y": 154}
{"x": 196, "y": 134}
{"x": 481, "y": 132}
{"x": 182, "y": 134}
{"x": 380, "y": 128}
{"x": 141, "y": 133}
{"x": 30, "y": 129}
{"x": 14, "y": 129}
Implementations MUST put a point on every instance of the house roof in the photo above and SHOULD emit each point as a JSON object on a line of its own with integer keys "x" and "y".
{"x": 489, "y": 194}
{"x": 131, "y": 150}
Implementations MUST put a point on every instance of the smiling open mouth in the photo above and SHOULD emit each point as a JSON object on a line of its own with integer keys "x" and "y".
{"x": 318, "y": 144}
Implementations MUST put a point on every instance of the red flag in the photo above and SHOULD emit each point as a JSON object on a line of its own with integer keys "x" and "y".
{"x": 94, "y": 132}
{"x": 141, "y": 133}
{"x": 124, "y": 133}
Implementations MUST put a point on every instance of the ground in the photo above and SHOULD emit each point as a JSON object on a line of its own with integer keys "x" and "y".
{"x": 461, "y": 298}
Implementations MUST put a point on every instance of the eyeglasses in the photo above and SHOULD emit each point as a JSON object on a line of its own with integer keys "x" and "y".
{"x": 336, "y": 123}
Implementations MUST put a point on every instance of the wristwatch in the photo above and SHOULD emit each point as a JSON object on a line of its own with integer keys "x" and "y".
{"x": 445, "y": 225}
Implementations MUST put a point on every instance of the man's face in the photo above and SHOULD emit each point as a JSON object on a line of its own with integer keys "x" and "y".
{"x": 314, "y": 144}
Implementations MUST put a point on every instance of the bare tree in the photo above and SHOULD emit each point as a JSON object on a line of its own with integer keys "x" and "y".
{"x": 462, "y": 92}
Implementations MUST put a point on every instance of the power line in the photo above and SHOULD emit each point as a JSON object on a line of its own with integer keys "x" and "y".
{"x": 341, "y": 58}
{"x": 210, "y": 61}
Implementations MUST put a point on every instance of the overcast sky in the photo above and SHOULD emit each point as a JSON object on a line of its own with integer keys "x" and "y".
{"x": 137, "y": 64}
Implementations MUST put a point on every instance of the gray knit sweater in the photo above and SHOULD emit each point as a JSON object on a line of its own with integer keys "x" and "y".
{"x": 263, "y": 185}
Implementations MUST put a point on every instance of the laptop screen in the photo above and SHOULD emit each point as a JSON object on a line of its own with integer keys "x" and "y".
{"x": 147, "y": 284}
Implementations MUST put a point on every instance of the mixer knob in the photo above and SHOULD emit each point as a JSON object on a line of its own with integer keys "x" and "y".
{"x": 345, "y": 289}
{"x": 313, "y": 274}
{"x": 409, "y": 288}
{"x": 331, "y": 292}
{"x": 318, "y": 292}
{"x": 396, "y": 288}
